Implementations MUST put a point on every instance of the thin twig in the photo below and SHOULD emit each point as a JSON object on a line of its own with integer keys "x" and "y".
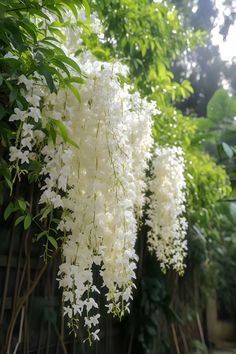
{"x": 20, "y": 330}
{"x": 21, "y": 303}
{"x": 60, "y": 339}
{"x": 200, "y": 330}
{"x": 175, "y": 338}
{"x": 17, "y": 279}
{"x": 8, "y": 267}
{"x": 184, "y": 340}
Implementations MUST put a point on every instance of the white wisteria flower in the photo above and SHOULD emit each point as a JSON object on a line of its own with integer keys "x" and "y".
{"x": 104, "y": 184}
{"x": 168, "y": 226}
{"x": 27, "y": 135}
{"x": 96, "y": 178}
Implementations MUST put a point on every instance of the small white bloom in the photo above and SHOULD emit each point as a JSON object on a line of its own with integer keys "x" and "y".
{"x": 39, "y": 135}
{"x": 18, "y": 115}
{"x": 35, "y": 113}
{"x": 26, "y": 142}
{"x": 34, "y": 100}
{"x": 27, "y": 129}
{"x": 24, "y": 157}
{"x": 14, "y": 153}
{"x": 23, "y": 80}
{"x": 68, "y": 311}
{"x": 95, "y": 334}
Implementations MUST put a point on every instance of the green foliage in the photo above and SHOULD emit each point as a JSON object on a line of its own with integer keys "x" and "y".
{"x": 34, "y": 45}
{"x": 173, "y": 128}
{"x": 222, "y": 242}
{"x": 148, "y": 36}
{"x": 206, "y": 185}
{"x": 154, "y": 299}
{"x": 221, "y": 106}
{"x": 222, "y": 265}
{"x": 31, "y": 44}
{"x": 21, "y": 208}
{"x": 221, "y": 113}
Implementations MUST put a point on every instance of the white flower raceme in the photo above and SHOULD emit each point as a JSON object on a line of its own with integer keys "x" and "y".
{"x": 27, "y": 135}
{"x": 105, "y": 186}
{"x": 168, "y": 225}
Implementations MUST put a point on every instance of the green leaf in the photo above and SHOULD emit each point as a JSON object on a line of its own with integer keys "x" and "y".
{"x": 19, "y": 219}
{"x": 71, "y": 6}
{"x": 22, "y": 204}
{"x": 9, "y": 210}
{"x": 43, "y": 70}
{"x": 5, "y": 172}
{"x": 63, "y": 132}
{"x": 86, "y": 7}
{"x": 54, "y": 9}
{"x": 53, "y": 242}
{"x": 43, "y": 233}
{"x": 45, "y": 211}
{"x": 69, "y": 62}
{"x": 50, "y": 39}
{"x": 9, "y": 183}
{"x": 30, "y": 29}
{"x": 1, "y": 79}
{"x": 100, "y": 53}
{"x": 39, "y": 13}
{"x": 73, "y": 143}
{"x": 52, "y": 134}
{"x": 2, "y": 112}
{"x": 60, "y": 65}
{"x": 78, "y": 80}
{"x": 74, "y": 91}
{"x": 13, "y": 95}
{"x": 227, "y": 149}
{"x": 58, "y": 33}
{"x": 54, "y": 46}
{"x": 62, "y": 129}
{"x": 16, "y": 37}
{"x": 27, "y": 221}
{"x": 217, "y": 108}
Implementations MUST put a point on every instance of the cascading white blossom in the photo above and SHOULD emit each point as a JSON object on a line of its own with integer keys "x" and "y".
{"x": 168, "y": 226}
{"x": 99, "y": 186}
{"x": 106, "y": 181}
{"x": 28, "y": 136}
{"x": 97, "y": 182}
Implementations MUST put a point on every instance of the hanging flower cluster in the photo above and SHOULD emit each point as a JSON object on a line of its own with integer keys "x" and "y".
{"x": 94, "y": 154}
{"x": 98, "y": 181}
{"x": 28, "y": 136}
{"x": 168, "y": 226}
{"x": 113, "y": 130}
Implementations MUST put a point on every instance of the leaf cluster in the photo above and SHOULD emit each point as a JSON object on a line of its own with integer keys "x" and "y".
{"x": 31, "y": 41}
{"x": 148, "y": 36}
